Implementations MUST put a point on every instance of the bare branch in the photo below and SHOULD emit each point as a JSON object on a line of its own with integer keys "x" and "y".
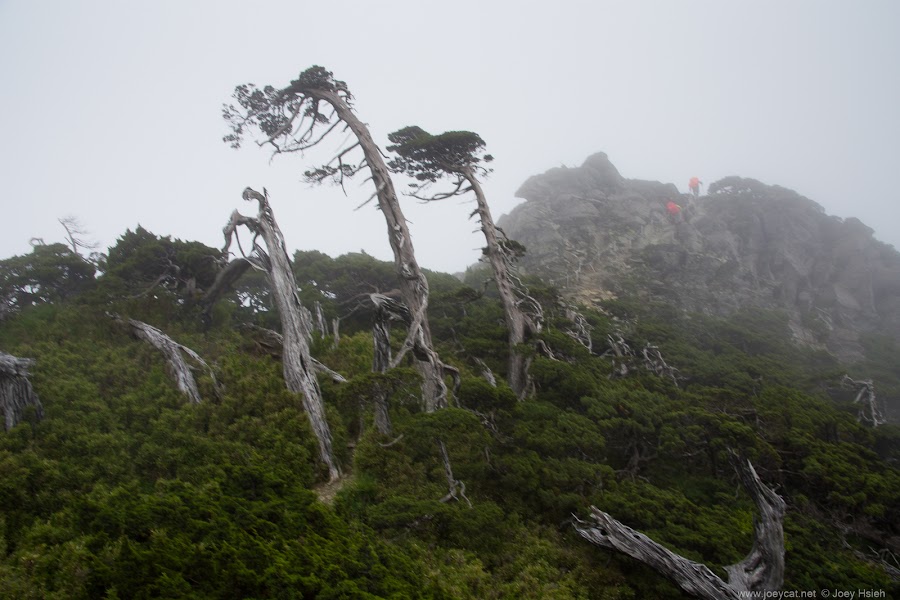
{"x": 172, "y": 352}
{"x": 761, "y": 571}
{"x": 297, "y": 364}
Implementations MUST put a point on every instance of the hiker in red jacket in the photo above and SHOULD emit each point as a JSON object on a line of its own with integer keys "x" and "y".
{"x": 694, "y": 186}
{"x": 674, "y": 211}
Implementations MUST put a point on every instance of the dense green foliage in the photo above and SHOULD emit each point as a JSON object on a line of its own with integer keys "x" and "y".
{"x": 125, "y": 490}
{"x": 51, "y": 273}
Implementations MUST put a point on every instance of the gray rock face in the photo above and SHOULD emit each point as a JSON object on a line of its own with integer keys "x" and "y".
{"x": 597, "y": 235}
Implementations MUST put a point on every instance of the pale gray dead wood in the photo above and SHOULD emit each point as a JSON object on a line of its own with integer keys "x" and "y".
{"x": 173, "y": 352}
{"x": 457, "y": 487}
{"x": 320, "y": 320}
{"x": 762, "y": 570}
{"x": 486, "y": 372}
{"x": 625, "y": 360}
{"x": 522, "y": 313}
{"x": 304, "y": 125}
{"x": 272, "y": 343}
{"x": 865, "y": 397}
{"x": 381, "y": 361}
{"x": 581, "y": 331}
{"x": 225, "y": 280}
{"x": 16, "y": 392}
{"x": 297, "y": 364}
{"x": 335, "y": 332}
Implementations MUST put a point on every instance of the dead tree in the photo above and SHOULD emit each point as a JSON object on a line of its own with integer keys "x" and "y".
{"x": 655, "y": 363}
{"x": 173, "y": 352}
{"x": 457, "y": 488}
{"x": 296, "y": 361}
{"x": 16, "y": 393}
{"x": 386, "y": 310}
{"x": 581, "y": 329}
{"x": 75, "y": 233}
{"x": 225, "y": 280}
{"x": 625, "y": 359}
{"x": 865, "y": 397}
{"x": 458, "y": 155}
{"x": 292, "y": 120}
{"x": 486, "y": 372}
{"x": 762, "y": 570}
{"x": 320, "y": 321}
{"x": 272, "y": 343}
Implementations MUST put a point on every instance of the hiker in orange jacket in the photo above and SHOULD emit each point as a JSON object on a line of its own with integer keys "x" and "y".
{"x": 694, "y": 186}
{"x": 674, "y": 211}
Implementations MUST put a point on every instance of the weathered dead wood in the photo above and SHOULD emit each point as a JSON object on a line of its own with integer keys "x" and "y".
{"x": 457, "y": 487}
{"x": 654, "y": 362}
{"x": 581, "y": 331}
{"x": 865, "y": 397}
{"x": 314, "y": 87}
{"x": 16, "y": 393}
{"x": 625, "y": 360}
{"x": 297, "y": 364}
{"x": 486, "y": 372}
{"x": 762, "y": 570}
{"x": 335, "y": 332}
{"x": 389, "y": 310}
{"x": 172, "y": 351}
{"x": 320, "y": 320}
{"x": 381, "y": 341}
{"x": 522, "y": 313}
{"x": 225, "y": 280}
{"x": 272, "y": 343}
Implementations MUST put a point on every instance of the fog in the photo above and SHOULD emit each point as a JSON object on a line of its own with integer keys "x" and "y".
{"x": 111, "y": 110}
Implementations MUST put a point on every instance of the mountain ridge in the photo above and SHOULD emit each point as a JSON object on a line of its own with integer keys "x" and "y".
{"x": 597, "y": 235}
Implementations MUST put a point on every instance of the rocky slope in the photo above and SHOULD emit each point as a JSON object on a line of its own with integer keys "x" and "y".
{"x": 597, "y": 235}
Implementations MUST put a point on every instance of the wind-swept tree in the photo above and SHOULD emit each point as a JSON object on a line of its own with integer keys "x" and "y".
{"x": 761, "y": 571}
{"x": 299, "y": 117}
{"x": 459, "y": 156}
{"x": 296, "y": 327}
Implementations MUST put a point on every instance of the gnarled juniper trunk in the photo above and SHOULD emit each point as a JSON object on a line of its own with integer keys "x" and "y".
{"x": 762, "y": 570}
{"x": 381, "y": 339}
{"x": 413, "y": 285}
{"x": 172, "y": 351}
{"x": 16, "y": 393}
{"x": 292, "y": 121}
{"x": 296, "y": 327}
{"x": 518, "y": 323}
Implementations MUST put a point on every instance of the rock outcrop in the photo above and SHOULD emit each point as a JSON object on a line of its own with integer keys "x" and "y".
{"x": 597, "y": 235}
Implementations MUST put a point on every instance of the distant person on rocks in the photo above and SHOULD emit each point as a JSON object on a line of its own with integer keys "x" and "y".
{"x": 674, "y": 211}
{"x": 694, "y": 186}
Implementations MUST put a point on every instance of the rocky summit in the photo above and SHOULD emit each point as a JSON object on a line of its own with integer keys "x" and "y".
{"x": 597, "y": 235}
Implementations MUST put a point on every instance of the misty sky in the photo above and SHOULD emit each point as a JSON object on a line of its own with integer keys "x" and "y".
{"x": 111, "y": 110}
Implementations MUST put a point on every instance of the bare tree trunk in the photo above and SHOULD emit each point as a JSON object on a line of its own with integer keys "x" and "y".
{"x": 381, "y": 339}
{"x": 320, "y": 320}
{"x": 273, "y": 343}
{"x": 413, "y": 285}
{"x": 582, "y": 329}
{"x": 763, "y": 568}
{"x": 518, "y": 322}
{"x": 457, "y": 487}
{"x": 761, "y": 571}
{"x": 172, "y": 351}
{"x": 16, "y": 393}
{"x": 865, "y": 397}
{"x": 296, "y": 361}
{"x": 335, "y": 332}
{"x": 225, "y": 279}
